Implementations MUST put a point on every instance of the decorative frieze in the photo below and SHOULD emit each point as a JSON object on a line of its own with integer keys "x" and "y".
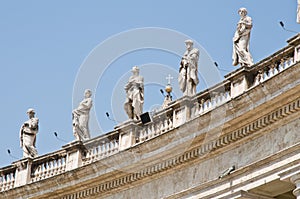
{"x": 199, "y": 152}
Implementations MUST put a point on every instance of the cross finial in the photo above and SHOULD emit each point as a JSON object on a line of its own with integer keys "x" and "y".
{"x": 169, "y": 78}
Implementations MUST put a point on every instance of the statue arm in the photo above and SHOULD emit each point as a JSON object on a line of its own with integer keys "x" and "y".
{"x": 21, "y": 136}
{"x": 248, "y": 22}
{"x": 87, "y": 103}
{"x": 128, "y": 85}
{"x": 142, "y": 84}
{"x": 141, "y": 87}
{"x": 194, "y": 57}
{"x": 245, "y": 24}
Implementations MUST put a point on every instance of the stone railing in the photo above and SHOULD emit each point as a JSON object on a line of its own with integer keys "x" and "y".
{"x": 162, "y": 122}
{"x": 47, "y": 167}
{"x": 132, "y": 133}
{"x": 274, "y": 65}
{"x": 7, "y": 178}
{"x": 101, "y": 148}
{"x": 210, "y": 100}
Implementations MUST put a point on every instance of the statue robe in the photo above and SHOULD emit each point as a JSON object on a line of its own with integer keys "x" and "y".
{"x": 81, "y": 119}
{"x": 28, "y": 133}
{"x": 134, "y": 97}
{"x": 188, "y": 72}
{"x": 241, "y": 53}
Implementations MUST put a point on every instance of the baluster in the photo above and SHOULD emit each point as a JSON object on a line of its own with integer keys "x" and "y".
{"x": 111, "y": 144}
{"x": 106, "y": 149}
{"x": 218, "y": 98}
{"x": 291, "y": 61}
{"x": 13, "y": 180}
{"x": 102, "y": 150}
{"x": 59, "y": 165}
{"x": 161, "y": 126}
{"x": 149, "y": 129}
{"x": 153, "y": 129}
{"x": 201, "y": 106}
{"x": 166, "y": 126}
{"x": 55, "y": 167}
{"x": 265, "y": 75}
{"x": 259, "y": 77}
{"x": 95, "y": 155}
{"x": 48, "y": 169}
{"x": 224, "y": 97}
{"x": 281, "y": 65}
{"x": 212, "y": 102}
{"x": 4, "y": 182}
{"x": 116, "y": 146}
{"x": 271, "y": 70}
{"x": 208, "y": 102}
{"x": 146, "y": 132}
{"x": 44, "y": 170}
{"x": 170, "y": 122}
{"x": 142, "y": 135}
{"x": 1, "y": 183}
{"x": 7, "y": 181}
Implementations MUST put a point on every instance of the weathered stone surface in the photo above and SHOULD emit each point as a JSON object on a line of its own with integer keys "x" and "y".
{"x": 256, "y": 131}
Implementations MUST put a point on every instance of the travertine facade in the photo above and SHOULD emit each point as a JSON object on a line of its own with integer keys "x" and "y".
{"x": 250, "y": 121}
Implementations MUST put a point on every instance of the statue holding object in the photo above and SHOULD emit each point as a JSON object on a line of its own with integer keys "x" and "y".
{"x": 28, "y": 134}
{"x": 81, "y": 116}
{"x": 134, "y": 95}
{"x": 188, "y": 72}
{"x": 241, "y": 53}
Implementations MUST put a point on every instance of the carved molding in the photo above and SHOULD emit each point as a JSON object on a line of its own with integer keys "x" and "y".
{"x": 198, "y": 152}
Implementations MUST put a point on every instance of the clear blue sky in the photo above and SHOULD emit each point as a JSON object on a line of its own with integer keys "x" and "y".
{"x": 44, "y": 43}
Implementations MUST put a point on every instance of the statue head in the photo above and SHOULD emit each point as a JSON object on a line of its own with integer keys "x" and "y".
{"x": 135, "y": 70}
{"x": 189, "y": 44}
{"x": 87, "y": 93}
{"x": 243, "y": 12}
{"x": 30, "y": 112}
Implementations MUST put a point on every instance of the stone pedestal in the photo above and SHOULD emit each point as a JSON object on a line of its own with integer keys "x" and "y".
{"x": 75, "y": 152}
{"x": 127, "y": 134}
{"x": 23, "y": 172}
{"x": 240, "y": 81}
{"x": 182, "y": 111}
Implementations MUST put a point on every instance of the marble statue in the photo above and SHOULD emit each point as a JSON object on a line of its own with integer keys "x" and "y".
{"x": 188, "y": 72}
{"x": 241, "y": 54}
{"x": 81, "y": 116}
{"x": 134, "y": 95}
{"x": 28, "y": 133}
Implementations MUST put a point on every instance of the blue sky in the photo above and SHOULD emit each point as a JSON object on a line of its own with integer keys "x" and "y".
{"x": 45, "y": 43}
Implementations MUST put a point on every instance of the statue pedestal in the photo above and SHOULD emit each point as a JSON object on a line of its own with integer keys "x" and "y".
{"x": 127, "y": 134}
{"x": 75, "y": 152}
{"x": 181, "y": 111}
{"x": 23, "y": 172}
{"x": 239, "y": 81}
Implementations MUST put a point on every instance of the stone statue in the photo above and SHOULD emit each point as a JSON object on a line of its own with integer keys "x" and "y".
{"x": 81, "y": 117}
{"x": 188, "y": 72}
{"x": 134, "y": 95}
{"x": 241, "y": 54}
{"x": 28, "y": 133}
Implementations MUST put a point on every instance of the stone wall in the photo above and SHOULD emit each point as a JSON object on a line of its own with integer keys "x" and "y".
{"x": 250, "y": 120}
